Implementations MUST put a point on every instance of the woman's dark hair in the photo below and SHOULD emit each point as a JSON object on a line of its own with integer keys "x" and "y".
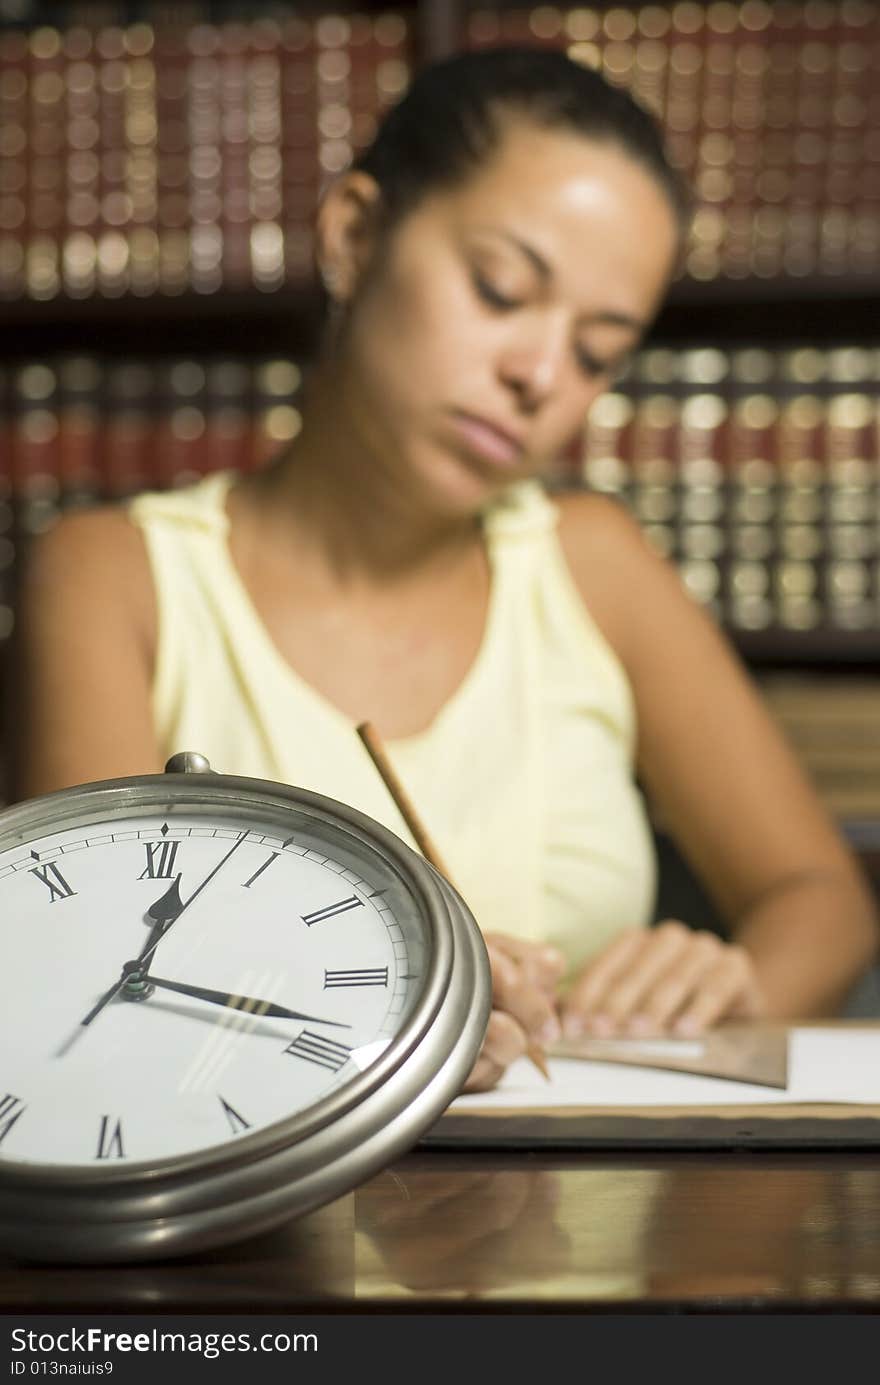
{"x": 450, "y": 121}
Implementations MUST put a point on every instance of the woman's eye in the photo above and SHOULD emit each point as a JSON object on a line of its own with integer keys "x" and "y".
{"x": 590, "y": 365}
{"x": 490, "y": 294}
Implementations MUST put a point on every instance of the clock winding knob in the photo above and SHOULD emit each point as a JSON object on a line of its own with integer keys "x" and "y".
{"x": 188, "y": 762}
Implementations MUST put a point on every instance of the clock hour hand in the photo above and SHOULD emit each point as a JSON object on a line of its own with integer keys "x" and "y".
{"x": 164, "y": 912}
{"x": 245, "y": 1003}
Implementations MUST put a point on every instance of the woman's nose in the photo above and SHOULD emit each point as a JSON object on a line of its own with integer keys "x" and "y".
{"x": 532, "y": 367}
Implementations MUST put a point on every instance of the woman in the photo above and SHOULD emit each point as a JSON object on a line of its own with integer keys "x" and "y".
{"x": 491, "y": 262}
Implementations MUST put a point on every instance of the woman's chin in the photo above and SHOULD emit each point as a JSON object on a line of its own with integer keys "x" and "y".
{"x": 458, "y": 486}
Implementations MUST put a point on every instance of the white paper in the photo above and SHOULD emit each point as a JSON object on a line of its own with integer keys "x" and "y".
{"x": 824, "y": 1065}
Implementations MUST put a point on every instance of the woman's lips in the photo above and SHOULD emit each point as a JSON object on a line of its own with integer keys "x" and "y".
{"x": 487, "y": 441}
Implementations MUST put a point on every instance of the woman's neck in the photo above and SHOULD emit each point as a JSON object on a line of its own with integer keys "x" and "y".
{"x": 338, "y": 500}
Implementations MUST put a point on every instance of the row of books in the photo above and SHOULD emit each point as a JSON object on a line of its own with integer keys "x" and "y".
{"x": 833, "y": 723}
{"x": 159, "y": 156}
{"x": 771, "y": 111}
{"x": 82, "y": 427}
{"x": 757, "y": 472}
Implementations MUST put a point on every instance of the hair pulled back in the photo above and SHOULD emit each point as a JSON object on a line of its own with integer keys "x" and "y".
{"x": 451, "y": 120}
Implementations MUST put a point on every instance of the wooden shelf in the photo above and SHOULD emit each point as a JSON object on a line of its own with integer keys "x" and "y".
{"x": 771, "y": 310}
{"x": 721, "y": 312}
{"x": 244, "y": 321}
{"x": 791, "y": 648}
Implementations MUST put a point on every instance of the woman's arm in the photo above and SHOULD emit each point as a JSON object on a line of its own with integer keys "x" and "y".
{"x": 721, "y": 777}
{"x": 81, "y": 659}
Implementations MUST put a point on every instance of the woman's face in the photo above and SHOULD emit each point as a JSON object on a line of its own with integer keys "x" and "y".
{"x": 487, "y": 322}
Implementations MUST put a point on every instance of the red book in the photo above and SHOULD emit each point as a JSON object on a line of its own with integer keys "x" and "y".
{"x": 181, "y": 449}
{"x": 129, "y": 428}
{"x": 35, "y": 445}
{"x": 228, "y": 411}
{"x": 80, "y": 421}
{"x": 14, "y": 166}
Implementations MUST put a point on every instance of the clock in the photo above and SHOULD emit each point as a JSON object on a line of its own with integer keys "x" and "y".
{"x": 226, "y": 1002}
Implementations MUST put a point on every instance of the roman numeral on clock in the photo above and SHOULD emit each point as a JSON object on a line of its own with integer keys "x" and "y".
{"x": 314, "y": 1048}
{"x": 332, "y": 910}
{"x": 160, "y": 860}
{"x": 50, "y": 876}
{"x": 237, "y": 1122}
{"x": 11, "y": 1107}
{"x": 265, "y": 866}
{"x": 358, "y": 976}
{"x": 110, "y": 1140}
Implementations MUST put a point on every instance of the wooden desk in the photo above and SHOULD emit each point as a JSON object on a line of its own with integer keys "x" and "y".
{"x": 476, "y": 1231}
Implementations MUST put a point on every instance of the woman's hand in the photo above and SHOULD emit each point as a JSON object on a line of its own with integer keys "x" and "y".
{"x": 664, "y": 980}
{"x": 524, "y": 980}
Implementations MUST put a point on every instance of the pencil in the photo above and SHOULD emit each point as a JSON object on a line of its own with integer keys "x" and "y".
{"x": 377, "y": 754}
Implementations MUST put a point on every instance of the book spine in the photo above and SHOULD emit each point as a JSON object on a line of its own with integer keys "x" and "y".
{"x": 853, "y": 458}
{"x": 34, "y": 458}
{"x": 128, "y": 434}
{"x": 172, "y": 161}
{"x": 7, "y": 527}
{"x": 81, "y": 427}
{"x": 229, "y": 413}
{"x": 276, "y": 414}
{"x": 181, "y": 427}
{"x": 14, "y": 165}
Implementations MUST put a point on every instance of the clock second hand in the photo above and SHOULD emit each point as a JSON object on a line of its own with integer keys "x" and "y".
{"x": 157, "y": 933}
{"x": 245, "y": 1003}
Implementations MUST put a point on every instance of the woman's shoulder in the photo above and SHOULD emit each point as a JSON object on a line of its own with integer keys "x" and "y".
{"x": 90, "y": 563}
{"x": 636, "y": 596}
{"x": 609, "y": 559}
{"x": 589, "y": 521}
{"x": 90, "y": 541}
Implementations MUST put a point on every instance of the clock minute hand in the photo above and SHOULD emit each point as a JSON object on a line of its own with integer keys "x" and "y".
{"x": 163, "y": 921}
{"x": 245, "y": 1003}
{"x": 163, "y": 913}
{"x": 168, "y": 909}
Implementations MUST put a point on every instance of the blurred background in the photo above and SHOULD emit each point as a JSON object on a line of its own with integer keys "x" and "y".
{"x": 159, "y": 167}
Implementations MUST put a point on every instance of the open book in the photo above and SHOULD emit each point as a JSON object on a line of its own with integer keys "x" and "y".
{"x": 831, "y": 1095}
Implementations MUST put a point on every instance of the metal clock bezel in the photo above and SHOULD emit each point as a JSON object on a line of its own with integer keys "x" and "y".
{"x": 203, "y": 1198}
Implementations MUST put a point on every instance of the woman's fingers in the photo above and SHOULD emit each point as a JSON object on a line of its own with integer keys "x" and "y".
{"x": 668, "y": 979}
{"x": 514, "y": 993}
{"x": 523, "y": 1006}
{"x": 541, "y": 963}
{"x": 505, "y": 1041}
{"x": 730, "y": 988}
{"x": 584, "y": 1008}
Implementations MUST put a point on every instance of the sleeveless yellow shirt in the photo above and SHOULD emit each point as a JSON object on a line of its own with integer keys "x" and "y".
{"x": 525, "y": 777}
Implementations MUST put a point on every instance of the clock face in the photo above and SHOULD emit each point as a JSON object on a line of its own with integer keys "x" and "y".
{"x": 172, "y": 928}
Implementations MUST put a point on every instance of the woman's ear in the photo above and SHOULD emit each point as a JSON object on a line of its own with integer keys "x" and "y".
{"x": 346, "y": 232}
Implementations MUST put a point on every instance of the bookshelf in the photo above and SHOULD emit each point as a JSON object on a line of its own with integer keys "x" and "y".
{"x": 159, "y": 165}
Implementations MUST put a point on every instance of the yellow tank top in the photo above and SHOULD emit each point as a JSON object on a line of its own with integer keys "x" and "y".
{"x": 525, "y": 777}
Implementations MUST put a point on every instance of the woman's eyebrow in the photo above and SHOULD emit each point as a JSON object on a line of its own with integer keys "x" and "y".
{"x": 608, "y": 316}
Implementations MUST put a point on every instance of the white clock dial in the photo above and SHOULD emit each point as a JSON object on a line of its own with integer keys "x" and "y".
{"x": 242, "y": 916}
{"x": 225, "y": 1002}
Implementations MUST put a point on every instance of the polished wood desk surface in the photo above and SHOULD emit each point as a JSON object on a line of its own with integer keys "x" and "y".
{"x": 473, "y": 1230}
